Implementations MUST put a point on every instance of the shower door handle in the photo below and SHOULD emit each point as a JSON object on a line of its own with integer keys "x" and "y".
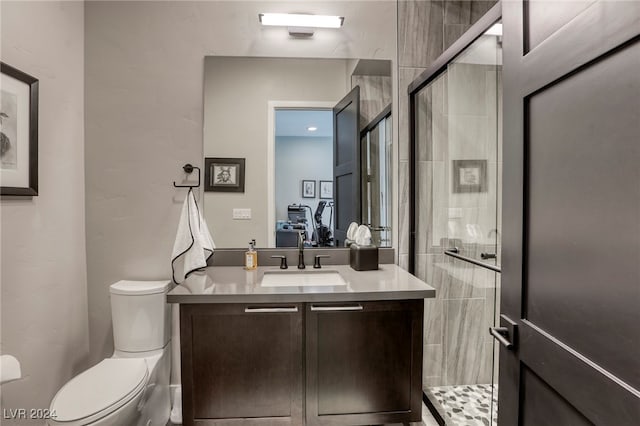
{"x": 508, "y": 330}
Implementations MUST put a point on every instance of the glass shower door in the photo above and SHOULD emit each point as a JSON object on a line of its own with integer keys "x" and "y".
{"x": 457, "y": 222}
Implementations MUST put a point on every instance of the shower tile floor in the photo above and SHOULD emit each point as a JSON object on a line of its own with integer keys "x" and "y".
{"x": 466, "y": 405}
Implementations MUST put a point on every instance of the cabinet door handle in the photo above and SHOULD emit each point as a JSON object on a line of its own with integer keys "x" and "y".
{"x": 250, "y": 310}
{"x": 337, "y": 308}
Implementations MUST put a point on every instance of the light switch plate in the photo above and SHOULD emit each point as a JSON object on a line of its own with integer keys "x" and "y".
{"x": 241, "y": 214}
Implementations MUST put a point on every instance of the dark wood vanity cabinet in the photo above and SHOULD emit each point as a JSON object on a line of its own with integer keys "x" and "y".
{"x": 364, "y": 362}
{"x": 242, "y": 364}
{"x": 305, "y": 363}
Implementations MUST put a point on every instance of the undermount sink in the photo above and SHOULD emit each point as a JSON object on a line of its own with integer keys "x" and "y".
{"x": 311, "y": 278}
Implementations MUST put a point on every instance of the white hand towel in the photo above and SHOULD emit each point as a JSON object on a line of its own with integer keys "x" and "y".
{"x": 193, "y": 245}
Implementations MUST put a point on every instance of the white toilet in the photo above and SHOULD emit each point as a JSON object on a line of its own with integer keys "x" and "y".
{"x": 132, "y": 387}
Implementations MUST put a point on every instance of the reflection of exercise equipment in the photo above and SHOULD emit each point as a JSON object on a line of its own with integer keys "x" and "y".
{"x": 297, "y": 214}
{"x": 322, "y": 231}
{"x": 287, "y": 232}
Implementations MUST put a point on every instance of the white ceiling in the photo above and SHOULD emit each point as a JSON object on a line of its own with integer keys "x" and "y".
{"x": 294, "y": 122}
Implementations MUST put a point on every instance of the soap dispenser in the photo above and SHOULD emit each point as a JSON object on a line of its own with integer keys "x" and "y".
{"x": 251, "y": 257}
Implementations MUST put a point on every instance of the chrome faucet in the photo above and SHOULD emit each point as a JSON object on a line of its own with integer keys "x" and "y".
{"x": 301, "y": 264}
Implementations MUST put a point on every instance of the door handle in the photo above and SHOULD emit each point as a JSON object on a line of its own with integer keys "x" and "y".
{"x": 507, "y": 333}
{"x": 501, "y": 334}
{"x": 337, "y": 308}
{"x": 250, "y": 310}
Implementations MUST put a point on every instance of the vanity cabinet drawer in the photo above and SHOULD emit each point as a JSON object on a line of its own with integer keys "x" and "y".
{"x": 242, "y": 363}
{"x": 364, "y": 362}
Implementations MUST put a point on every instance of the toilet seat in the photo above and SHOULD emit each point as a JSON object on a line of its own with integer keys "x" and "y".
{"x": 99, "y": 391}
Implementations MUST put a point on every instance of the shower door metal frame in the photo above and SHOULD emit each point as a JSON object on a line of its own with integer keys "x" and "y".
{"x": 436, "y": 69}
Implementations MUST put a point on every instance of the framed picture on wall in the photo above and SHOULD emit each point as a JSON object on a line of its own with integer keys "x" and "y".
{"x": 326, "y": 189}
{"x": 469, "y": 176}
{"x": 224, "y": 174}
{"x": 308, "y": 189}
{"x": 18, "y": 132}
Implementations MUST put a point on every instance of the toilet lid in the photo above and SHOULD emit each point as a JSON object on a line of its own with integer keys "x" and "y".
{"x": 101, "y": 389}
{"x": 139, "y": 288}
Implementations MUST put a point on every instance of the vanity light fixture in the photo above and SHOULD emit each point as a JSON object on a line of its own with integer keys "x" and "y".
{"x": 300, "y": 20}
{"x": 312, "y": 128}
{"x": 298, "y": 24}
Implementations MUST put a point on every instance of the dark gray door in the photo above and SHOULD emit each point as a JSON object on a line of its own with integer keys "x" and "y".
{"x": 571, "y": 214}
{"x": 346, "y": 163}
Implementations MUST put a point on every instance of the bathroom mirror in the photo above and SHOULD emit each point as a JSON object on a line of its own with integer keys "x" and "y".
{"x": 277, "y": 114}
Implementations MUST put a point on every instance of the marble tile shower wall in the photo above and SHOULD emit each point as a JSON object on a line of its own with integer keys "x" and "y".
{"x": 457, "y": 347}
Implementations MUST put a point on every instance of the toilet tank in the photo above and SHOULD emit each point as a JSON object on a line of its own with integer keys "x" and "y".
{"x": 141, "y": 315}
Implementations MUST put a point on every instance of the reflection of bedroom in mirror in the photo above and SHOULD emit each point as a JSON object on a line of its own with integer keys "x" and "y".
{"x": 279, "y": 114}
{"x": 303, "y": 139}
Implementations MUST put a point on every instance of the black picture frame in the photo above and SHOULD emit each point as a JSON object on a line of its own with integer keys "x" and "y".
{"x": 308, "y": 189}
{"x": 30, "y": 186}
{"x": 326, "y": 190}
{"x": 224, "y": 174}
{"x": 469, "y": 176}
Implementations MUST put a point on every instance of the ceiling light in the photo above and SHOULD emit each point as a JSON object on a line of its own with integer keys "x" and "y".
{"x": 300, "y": 20}
{"x": 312, "y": 128}
{"x": 495, "y": 30}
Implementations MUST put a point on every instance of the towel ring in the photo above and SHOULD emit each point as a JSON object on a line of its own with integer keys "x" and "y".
{"x": 188, "y": 169}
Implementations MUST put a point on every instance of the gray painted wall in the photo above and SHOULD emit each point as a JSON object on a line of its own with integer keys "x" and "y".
{"x": 144, "y": 64}
{"x": 44, "y": 292}
{"x": 237, "y": 92}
